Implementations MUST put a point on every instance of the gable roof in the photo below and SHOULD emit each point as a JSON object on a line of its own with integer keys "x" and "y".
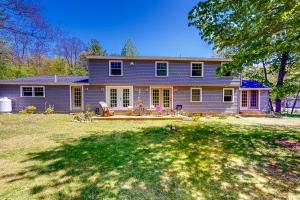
{"x": 253, "y": 84}
{"x": 157, "y": 58}
{"x": 48, "y": 80}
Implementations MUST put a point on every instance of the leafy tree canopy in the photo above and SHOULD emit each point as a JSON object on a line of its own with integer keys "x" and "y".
{"x": 129, "y": 49}
{"x": 254, "y": 32}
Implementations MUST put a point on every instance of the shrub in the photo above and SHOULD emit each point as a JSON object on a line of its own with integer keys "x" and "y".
{"x": 88, "y": 107}
{"x": 196, "y": 118}
{"x": 222, "y": 116}
{"x": 88, "y": 116}
{"x": 77, "y": 118}
{"x": 49, "y": 110}
{"x": 28, "y": 110}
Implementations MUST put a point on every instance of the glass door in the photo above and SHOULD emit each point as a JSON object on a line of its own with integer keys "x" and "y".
{"x": 77, "y": 98}
{"x": 162, "y": 97}
{"x": 244, "y": 101}
{"x": 254, "y": 99}
{"x": 119, "y": 98}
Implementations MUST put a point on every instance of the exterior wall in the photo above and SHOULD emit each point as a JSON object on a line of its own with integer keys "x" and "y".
{"x": 58, "y": 96}
{"x": 212, "y": 100}
{"x": 94, "y": 94}
{"x": 142, "y": 93}
{"x": 143, "y": 73}
{"x": 264, "y": 101}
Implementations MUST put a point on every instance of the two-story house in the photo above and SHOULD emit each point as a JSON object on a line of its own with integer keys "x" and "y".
{"x": 190, "y": 83}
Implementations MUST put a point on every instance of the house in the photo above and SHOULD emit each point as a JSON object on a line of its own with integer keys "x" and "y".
{"x": 190, "y": 83}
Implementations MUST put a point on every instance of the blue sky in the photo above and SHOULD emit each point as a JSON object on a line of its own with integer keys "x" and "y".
{"x": 158, "y": 27}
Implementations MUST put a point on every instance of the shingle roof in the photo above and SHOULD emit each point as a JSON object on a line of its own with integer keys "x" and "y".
{"x": 252, "y": 84}
{"x": 157, "y": 58}
{"x": 64, "y": 80}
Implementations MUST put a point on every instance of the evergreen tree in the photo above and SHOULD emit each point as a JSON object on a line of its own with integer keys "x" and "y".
{"x": 129, "y": 49}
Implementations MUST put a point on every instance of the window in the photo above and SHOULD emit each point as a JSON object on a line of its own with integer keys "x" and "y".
{"x": 228, "y": 95}
{"x": 197, "y": 69}
{"x": 32, "y": 91}
{"x": 115, "y": 68}
{"x": 228, "y": 73}
{"x": 196, "y": 95}
{"x": 161, "y": 69}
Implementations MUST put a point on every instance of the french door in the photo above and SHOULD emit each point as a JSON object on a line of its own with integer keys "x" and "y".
{"x": 162, "y": 97}
{"x": 76, "y": 98}
{"x": 119, "y": 98}
{"x": 249, "y": 99}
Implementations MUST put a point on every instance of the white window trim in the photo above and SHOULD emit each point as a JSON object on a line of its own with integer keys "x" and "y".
{"x": 191, "y": 94}
{"x": 120, "y": 61}
{"x": 191, "y": 69}
{"x": 33, "y": 93}
{"x": 232, "y": 89}
{"x": 156, "y": 62}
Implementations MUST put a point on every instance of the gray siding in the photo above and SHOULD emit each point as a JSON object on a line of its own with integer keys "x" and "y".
{"x": 264, "y": 98}
{"x": 58, "y": 96}
{"x": 212, "y": 100}
{"x": 94, "y": 94}
{"x": 143, "y": 73}
{"x": 142, "y": 93}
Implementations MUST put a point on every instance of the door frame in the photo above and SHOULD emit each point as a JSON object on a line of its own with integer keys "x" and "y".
{"x": 249, "y": 100}
{"x": 162, "y": 87}
{"x": 107, "y": 97}
{"x": 71, "y": 97}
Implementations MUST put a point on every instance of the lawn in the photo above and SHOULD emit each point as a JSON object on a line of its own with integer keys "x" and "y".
{"x": 51, "y": 157}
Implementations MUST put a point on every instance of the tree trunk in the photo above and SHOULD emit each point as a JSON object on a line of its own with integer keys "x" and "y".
{"x": 295, "y": 102}
{"x": 266, "y": 79}
{"x": 281, "y": 75}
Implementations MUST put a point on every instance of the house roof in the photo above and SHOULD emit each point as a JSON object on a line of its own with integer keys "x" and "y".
{"x": 48, "y": 80}
{"x": 253, "y": 84}
{"x": 156, "y": 58}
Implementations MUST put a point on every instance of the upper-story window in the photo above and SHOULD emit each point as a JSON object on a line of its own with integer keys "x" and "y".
{"x": 228, "y": 73}
{"x": 197, "y": 69}
{"x": 115, "y": 68}
{"x": 228, "y": 95}
{"x": 32, "y": 91}
{"x": 161, "y": 69}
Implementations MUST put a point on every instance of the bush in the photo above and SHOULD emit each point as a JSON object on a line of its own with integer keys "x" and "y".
{"x": 88, "y": 107}
{"x": 49, "y": 110}
{"x": 77, "y": 118}
{"x": 196, "y": 118}
{"x": 28, "y": 110}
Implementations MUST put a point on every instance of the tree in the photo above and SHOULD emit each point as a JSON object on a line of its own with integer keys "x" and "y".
{"x": 95, "y": 49}
{"x": 70, "y": 48}
{"x": 255, "y": 32}
{"x": 129, "y": 49}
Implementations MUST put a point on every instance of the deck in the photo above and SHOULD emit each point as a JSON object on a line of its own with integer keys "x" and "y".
{"x": 124, "y": 117}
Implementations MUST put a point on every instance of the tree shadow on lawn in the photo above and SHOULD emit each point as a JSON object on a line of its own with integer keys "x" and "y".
{"x": 209, "y": 161}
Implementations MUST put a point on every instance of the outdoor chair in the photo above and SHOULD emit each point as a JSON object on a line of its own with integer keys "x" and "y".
{"x": 105, "y": 111}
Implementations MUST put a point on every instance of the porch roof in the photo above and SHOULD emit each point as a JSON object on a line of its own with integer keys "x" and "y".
{"x": 48, "y": 80}
{"x": 252, "y": 84}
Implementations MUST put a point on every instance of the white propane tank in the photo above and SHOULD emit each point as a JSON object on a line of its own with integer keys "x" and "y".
{"x": 5, "y": 105}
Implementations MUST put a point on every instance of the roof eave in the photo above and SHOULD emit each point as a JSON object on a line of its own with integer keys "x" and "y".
{"x": 157, "y": 58}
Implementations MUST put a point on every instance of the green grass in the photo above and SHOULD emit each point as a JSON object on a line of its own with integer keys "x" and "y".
{"x": 51, "y": 157}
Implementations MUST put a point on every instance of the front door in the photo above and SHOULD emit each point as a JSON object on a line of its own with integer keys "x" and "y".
{"x": 76, "y": 98}
{"x": 119, "y": 98}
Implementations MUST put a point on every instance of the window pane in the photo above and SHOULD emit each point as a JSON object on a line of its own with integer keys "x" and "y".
{"x": 227, "y": 92}
{"x": 161, "y": 69}
{"x": 161, "y": 72}
{"x": 196, "y": 69}
{"x": 196, "y": 95}
{"x": 27, "y": 91}
{"x": 39, "y": 91}
{"x": 227, "y": 98}
{"x": 113, "y": 98}
{"x": 116, "y": 68}
{"x": 228, "y": 95}
{"x": 155, "y": 97}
